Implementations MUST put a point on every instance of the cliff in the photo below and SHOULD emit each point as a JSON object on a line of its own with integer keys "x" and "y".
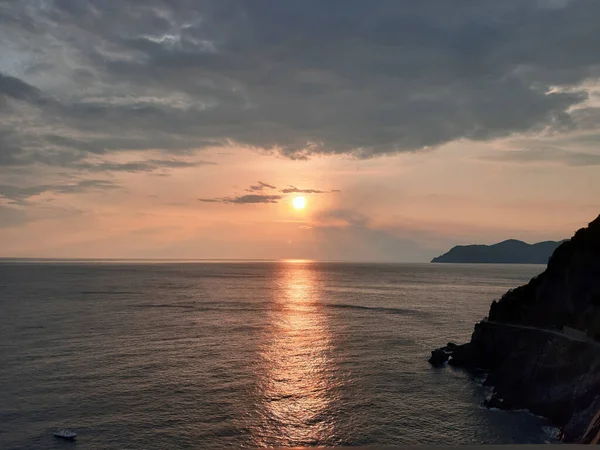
{"x": 506, "y": 252}
{"x": 540, "y": 342}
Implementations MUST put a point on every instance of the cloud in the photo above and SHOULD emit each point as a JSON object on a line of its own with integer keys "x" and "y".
{"x": 244, "y": 199}
{"x": 20, "y": 195}
{"x": 262, "y": 198}
{"x": 15, "y": 88}
{"x": 345, "y": 217}
{"x": 295, "y": 190}
{"x": 150, "y": 165}
{"x": 348, "y": 234}
{"x": 260, "y": 186}
{"x": 85, "y": 78}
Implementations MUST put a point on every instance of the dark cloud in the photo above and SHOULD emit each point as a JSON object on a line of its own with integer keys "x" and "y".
{"x": 20, "y": 195}
{"x": 261, "y": 198}
{"x": 150, "y": 165}
{"x": 17, "y": 89}
{"x": 260, "y": 186}
{"x": 301, "y": 78}
{"x": 244, "y": 199}
{"x": 295, "y": 190}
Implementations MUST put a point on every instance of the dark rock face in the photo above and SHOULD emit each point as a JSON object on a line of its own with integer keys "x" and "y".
{"x": 540, "y": 344}
{"x": 567, "y": 293}
{"x": 508, "y": 252}
{"x": 439, "y": 357}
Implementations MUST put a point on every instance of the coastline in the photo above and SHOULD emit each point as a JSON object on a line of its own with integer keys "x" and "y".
{"x": 539, "y": 343}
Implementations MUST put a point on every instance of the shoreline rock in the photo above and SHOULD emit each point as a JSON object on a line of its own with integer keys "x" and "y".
{"x": 441, "y": 355}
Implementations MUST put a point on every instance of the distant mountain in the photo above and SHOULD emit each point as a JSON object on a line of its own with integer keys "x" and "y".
{"x": 506, "y": 252}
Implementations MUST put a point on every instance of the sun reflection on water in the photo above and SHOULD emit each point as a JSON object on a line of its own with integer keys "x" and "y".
{"x": 297, "y": 381}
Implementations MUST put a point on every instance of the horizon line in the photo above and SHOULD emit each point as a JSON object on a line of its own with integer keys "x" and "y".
{"x": 46, "y": 260}
{"x": 191, "y": 260}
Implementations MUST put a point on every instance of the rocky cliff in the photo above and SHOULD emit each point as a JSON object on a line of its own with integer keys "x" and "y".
{"x": 540, "y": 343}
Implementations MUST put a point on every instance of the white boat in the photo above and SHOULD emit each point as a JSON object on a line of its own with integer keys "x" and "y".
{"x": 65, "y": 434}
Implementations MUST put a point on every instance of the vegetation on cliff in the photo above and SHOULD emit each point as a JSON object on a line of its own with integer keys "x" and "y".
{"x": 567, "y": 293}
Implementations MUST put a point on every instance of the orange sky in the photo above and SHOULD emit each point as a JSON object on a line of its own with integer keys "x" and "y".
{"x": 398, "y": 208}
{"x": 144, "y": 129}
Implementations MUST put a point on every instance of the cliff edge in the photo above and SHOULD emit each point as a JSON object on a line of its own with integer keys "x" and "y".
{"x": 540, "y": 343}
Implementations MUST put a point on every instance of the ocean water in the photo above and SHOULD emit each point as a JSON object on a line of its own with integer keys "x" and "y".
{"x": 216, "y": 355}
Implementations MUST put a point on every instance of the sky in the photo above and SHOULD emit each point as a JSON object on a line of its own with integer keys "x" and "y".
{"x": 185, "y": 129}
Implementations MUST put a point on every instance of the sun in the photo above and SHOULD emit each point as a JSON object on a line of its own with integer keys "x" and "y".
{"x": 299, "y": 202}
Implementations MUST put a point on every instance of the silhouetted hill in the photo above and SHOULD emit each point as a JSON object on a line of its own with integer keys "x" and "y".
{"x": 506, "y": 252}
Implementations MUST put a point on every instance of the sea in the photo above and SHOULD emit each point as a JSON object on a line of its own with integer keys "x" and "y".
{"x": 164, "y": 355}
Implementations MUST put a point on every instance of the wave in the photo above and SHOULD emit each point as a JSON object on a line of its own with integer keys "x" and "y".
{"x": 31, "y": 327}
{"x": 163, "y": 305}
{"x": 552, "y": 432}
{"x": 203, "y": 306}
{"x": 107, "y": 292}
{"x": 383, "y": 309}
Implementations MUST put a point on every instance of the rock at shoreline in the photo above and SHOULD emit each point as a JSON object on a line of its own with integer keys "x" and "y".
{"x": 439, "y": 357}
{"x": 453, "y": 353}
{"x": 540, "y": 344}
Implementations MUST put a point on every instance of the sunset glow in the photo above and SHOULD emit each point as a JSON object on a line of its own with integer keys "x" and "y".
{"x": 171, "y": 131}
{"x": 273, "y": 224}
{"x": 299, "y": 202}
